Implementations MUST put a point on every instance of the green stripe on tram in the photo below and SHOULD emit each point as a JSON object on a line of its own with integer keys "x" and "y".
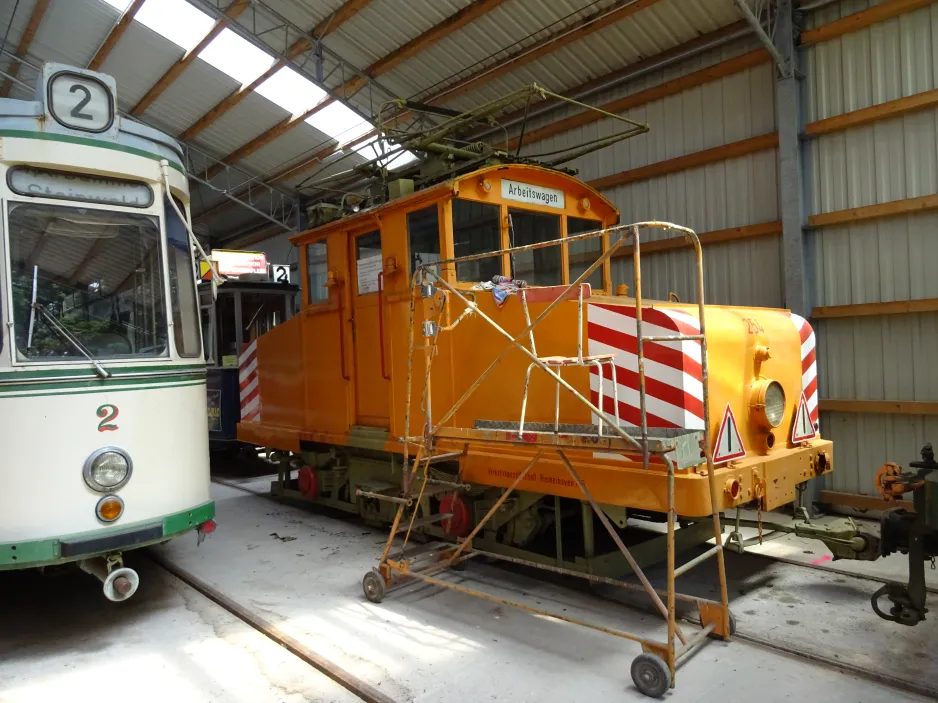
{"x": 35, "y": 390}
{"x": 30, "y": 374}
{"x": 84, "y": 141}
{"x": 29, "y": 553}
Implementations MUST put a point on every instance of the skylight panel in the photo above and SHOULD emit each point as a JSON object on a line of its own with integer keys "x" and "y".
{"x": 176, "y": 20}
{"x": 236, "y": 57}
{"x": 339, "y": 122}
{"x": 291, "y": 91}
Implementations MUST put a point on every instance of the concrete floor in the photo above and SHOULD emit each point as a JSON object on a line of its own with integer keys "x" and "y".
{"x": 61, "y": 640}
{"x": 422, "y": 644}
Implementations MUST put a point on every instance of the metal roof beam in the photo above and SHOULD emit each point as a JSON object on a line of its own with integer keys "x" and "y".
{"x": 286, "y": 42}
{"x": 32, "y": 26}
{"x": 176, "y": 70}
{"x": 556, "y": 40}
{"x": 454, "y": 22}
{"x": 114, "y": 36}
{"x": 632, "y": 71}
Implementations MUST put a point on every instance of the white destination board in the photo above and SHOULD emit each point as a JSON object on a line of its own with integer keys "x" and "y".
{"x": 80, "y": 102}
{"x": 534, "y": 195}
{"x": 368, "y": 270}
{"x": 73, "y": 186}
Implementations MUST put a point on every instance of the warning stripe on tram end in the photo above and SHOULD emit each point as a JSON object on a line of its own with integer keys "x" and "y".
{"x": 248, "y": 383}
{"x": 729, "y": 444}
{"x": 803, "y": 428}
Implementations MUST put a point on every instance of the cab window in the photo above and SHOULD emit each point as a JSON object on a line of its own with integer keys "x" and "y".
{"x": 316, "y": 291}
{"x": 539, "y": 267}
{"x": 476, "y": 229}
{"x": 585, "y": 252}
{"x": 423, "y": 237}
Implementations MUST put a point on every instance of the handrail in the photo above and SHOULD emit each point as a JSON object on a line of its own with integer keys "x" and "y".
{"x": 384, "y": 372}
{"x": 341, "y": 311}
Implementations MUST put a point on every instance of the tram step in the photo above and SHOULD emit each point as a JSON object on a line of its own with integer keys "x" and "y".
{"x": 423, "y": 522}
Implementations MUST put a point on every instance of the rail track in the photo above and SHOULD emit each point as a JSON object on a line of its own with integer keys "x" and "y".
{"x": 341, "y": 676}
{"x": 764, "y": 643}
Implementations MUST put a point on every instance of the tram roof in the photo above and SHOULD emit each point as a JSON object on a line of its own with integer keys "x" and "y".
{"x": 452, "y": 186}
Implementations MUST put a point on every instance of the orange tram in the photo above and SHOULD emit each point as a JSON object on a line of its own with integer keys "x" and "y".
{"x": 329, "y": 385}
{"x": 464, "y": 369}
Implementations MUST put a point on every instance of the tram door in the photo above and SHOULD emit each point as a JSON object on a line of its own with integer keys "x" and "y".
{"x": 372, "y": 389}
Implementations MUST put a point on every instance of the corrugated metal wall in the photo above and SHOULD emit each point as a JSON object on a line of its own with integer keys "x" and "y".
{"x": 881, "y": 357}
{"x": 732, "y": 193}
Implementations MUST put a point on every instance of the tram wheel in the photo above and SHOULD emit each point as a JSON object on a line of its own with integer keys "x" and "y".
{"x": 373, "y": 586}
{"x": 651, "y": 675}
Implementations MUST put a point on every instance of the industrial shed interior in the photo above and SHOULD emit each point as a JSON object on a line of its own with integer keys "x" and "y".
{"x": 797, "y": 139}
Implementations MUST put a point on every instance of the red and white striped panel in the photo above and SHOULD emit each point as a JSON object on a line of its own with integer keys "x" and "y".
{"x": 248, "y": 381}
{"x": 673, "y": 378}
{"x": 808, "y": 365}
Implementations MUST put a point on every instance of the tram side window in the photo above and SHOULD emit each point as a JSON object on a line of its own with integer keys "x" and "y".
{"x": 476, "y": 229}
{"x": 539, "y": 267}
{"x": 423, "y": 237}
{"x": 584, "y": 252}
{"x": 182, "y": 293}
{"x": 316, "y": 272}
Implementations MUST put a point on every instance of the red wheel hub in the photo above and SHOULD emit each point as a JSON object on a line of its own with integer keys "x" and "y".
{"x": 460, "y": 523}
{"x": 308, "y": 482}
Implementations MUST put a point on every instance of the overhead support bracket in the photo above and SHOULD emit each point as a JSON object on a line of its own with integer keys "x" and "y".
{"x": 784, "y": 65}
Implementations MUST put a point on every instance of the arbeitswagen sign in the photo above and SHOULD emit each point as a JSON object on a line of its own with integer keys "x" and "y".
{"x": 532, "y": 194}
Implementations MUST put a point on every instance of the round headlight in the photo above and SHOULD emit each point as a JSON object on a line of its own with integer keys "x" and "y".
{"x": 774, "y": 404}
{"x": 107, "y": 469}
{"x": 768, "y": 403}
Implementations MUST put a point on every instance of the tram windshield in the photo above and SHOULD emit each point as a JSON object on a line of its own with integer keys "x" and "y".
{"x": 86, "y": 275}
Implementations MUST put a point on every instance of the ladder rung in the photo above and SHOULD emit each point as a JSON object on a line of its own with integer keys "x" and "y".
{"x": 449, "y": 485}
{"x": 674, "y": 338}
{"x": 449, "y": 456}
{"x": 424, "y": 521}
{"x": 684, "y": 568}
{"x": 427, "y": 549}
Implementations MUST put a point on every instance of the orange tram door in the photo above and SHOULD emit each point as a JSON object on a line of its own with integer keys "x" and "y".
{"x": 333, "y": 380}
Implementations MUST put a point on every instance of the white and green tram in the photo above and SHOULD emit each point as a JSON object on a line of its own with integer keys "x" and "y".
{"x": 103, "y": 440}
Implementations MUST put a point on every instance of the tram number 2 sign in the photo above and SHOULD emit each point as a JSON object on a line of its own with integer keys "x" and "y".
{"x": 80, "y": 102}
{"x": 280, "y": 273}
{"x": 108, "y": 413}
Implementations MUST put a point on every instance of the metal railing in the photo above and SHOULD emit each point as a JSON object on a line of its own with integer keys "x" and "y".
{"x": 715, "y": 616}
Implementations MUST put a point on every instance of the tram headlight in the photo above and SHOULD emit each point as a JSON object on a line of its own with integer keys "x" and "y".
{"x": 107, "y": 469}
{"x": 767, "y": 403}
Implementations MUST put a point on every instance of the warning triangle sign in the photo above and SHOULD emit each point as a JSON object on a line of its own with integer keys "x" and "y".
{"x": 729, "y": 443}
{"x": 803, "y": 429}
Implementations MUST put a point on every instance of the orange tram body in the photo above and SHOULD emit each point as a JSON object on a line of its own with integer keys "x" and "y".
{"x": 327, "y": 389}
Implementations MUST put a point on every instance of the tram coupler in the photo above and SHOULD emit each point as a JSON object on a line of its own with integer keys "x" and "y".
{"x": 842, "y": 536}
{"x": 909, "y": 532}
{"x": 118, "y": 581}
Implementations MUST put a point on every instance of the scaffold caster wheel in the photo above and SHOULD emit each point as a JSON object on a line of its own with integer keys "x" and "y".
{"x": 715, "y": 636}
{"x": 373, "y": 586}
{"x": 651, "y": 675}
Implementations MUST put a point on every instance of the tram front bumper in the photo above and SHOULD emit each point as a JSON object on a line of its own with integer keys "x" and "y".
{"x": 66, "y": 548}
